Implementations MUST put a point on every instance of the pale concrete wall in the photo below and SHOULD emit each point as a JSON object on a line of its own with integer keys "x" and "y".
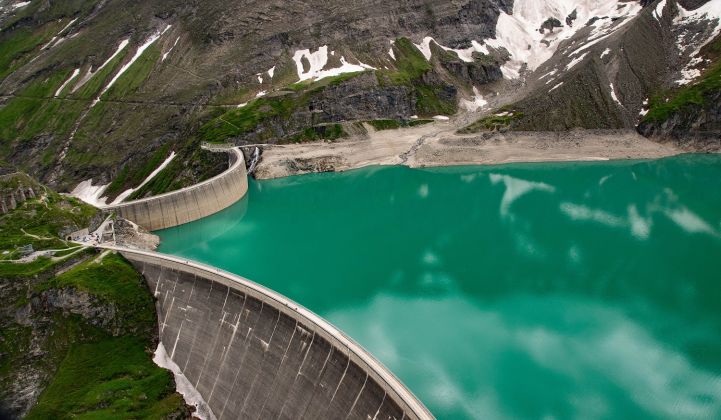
{"x": 252, "y": 353}
{"x": 191, "y": 203}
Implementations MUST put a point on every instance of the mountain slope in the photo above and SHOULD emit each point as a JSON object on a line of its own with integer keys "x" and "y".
{"x": 107, "y": 89}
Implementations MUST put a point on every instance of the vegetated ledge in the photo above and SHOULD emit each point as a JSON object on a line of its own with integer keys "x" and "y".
{"x": 690, "y": 115}
{"x": 387, "y": 124}
{"x": 500, "y": 120}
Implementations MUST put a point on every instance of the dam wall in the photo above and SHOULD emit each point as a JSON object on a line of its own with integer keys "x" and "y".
{"x": 252, "y": 353}
{"x": 190, "y": 203}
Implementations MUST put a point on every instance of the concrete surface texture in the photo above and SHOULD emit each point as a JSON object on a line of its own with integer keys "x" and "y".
{"x": 252, "y": 353}
{"x": 190, "y": 203}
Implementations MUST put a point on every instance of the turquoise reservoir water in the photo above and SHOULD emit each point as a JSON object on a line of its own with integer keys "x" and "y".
{"x": 565, "y": 290}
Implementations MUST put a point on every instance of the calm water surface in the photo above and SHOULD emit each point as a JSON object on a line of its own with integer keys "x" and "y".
{"x": 569, "y": 290}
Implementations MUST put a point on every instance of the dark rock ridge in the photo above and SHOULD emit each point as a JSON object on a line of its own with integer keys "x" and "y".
{"x": 361, "y": 98}
{"x": 611, "y": 87}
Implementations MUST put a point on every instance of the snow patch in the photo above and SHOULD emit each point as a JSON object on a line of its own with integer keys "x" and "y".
{"x": 556, "y": 87}
{"x": 441, "y": 118}
{"x": 171, "y": 49}
{"x": 518, "y": 32}
{"x": 318, "y": 61}
{"x": 261, "y": 93}
{"x": 20, "y": 5}
{"x": 260, "y": 78}
{"x": 613, "y": 94}
{"x": 605, "y": 52}
{"x": 464, "y": 54}
{"x": 127, "y": 65}
{"x": 124, "y": 43}
{"x": 55, "y": 41}
{"x": 658, "y": 12}
{"x": 475, "y": 104}
{"x": 709, "y": 11}
{"x": 91, "y": 73}
{"x": 67, "y": 26}
{"x": 575, "y": 61}
{"x": 271, "y": 72}
{"x": 550, "y": 73}
{"x": 90, "y": 193}
{"x": 425, "y": 47}
{"x": 125, "y": 194}
{"x": 75, "y": 74}
{"x": 184, "y": 387}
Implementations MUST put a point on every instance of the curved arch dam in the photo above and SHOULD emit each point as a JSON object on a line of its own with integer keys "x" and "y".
{"x": 191, "y": 203}
{"x": 252, "y": 353}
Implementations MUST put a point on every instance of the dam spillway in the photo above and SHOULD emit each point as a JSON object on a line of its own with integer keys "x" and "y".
{"x": 252, "y": 353}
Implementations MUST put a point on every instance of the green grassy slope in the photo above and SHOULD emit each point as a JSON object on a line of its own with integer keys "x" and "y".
{"x": 91, "y": 362}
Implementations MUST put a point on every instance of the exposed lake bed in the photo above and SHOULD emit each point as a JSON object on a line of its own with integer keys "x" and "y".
{"x": 438, "y": 145}
{"x": 524, "y": 290}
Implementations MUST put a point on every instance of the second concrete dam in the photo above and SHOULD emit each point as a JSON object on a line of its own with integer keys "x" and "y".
{"x": 191, "y": 203}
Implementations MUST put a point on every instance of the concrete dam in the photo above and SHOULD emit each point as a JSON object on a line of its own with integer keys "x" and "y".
{"x": 190, "y": 203}
{"x": 252, "y": 353}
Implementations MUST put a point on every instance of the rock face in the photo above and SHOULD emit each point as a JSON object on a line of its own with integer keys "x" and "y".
{"x": 361, "y": 98}
{"x": 694, "y": 127}
{"x": 50, "y": 317}
{"x": 203, "y": 56}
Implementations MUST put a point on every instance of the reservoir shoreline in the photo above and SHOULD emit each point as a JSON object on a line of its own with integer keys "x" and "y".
{"x": 427, "y": 146}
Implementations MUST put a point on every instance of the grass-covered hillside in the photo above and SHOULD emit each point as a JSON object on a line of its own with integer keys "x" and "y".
{"x": 77, "y": 326}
